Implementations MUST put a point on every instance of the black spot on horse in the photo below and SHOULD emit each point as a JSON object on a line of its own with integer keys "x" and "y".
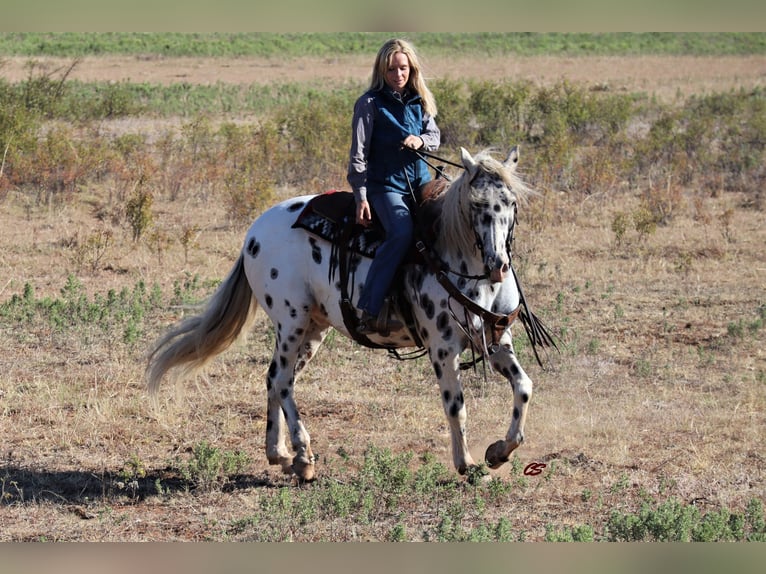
{"x": 274, "y": 273}
{"x": 515, "y": 369}
{"x": 453, "y": 410}
{"x": 284, "y": 392}
{"x": 297, "y": 206}
{"x": 253, "y": 248}
{"x": 417, "y": 280}
{"x": 437, "y": 370}
{"x": 424, "y": 334}
{"x": 272, "y": 369}
{"x": 515, "y": 412}
{"x": 427, "y": 305}
{"x": 525, "y": 397}
{"x": 282, "y": 361}
{"x": 269, "y": 301}
{"x": 316, "y": 251}
{"x": 269, "y": 425}
{"x": 442, "y": 321}
{"x": 447, "y": 396}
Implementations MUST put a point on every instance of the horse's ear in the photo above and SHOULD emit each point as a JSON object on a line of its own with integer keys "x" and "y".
{"x": 513, "y": 159}
{"x": 468, "y": 162}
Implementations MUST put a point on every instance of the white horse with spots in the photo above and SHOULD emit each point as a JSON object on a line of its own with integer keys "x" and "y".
{"x": 285, "y": 271}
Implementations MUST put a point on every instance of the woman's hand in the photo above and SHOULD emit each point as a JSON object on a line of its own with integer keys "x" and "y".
{"x": 414, "y": 142}
{"x": 363, "y": 213}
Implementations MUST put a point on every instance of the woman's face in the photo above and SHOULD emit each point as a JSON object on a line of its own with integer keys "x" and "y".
{"x": 398, "y": 72}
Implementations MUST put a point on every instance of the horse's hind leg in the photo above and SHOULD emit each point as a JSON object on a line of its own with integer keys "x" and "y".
{"x": 504, "y": 362}
{"x": 296, "y": 344}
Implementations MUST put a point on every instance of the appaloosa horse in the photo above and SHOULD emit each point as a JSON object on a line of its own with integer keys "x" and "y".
{"x": 463, "y": 294}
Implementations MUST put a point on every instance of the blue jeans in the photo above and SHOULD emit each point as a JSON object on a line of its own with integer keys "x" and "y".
{"x": 393, "y": 213}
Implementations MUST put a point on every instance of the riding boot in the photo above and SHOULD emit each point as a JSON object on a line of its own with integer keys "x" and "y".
{"x": 382, "y": 325}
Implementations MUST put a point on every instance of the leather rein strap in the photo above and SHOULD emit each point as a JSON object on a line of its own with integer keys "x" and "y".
{"x": 499, "y": 322}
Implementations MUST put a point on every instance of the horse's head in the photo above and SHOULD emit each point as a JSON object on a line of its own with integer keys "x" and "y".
{"x": 490, "y": 197}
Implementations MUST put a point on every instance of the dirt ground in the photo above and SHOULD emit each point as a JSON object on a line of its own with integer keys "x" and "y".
{"x": 664, "y": 77}
{"x": 653, "y": 394}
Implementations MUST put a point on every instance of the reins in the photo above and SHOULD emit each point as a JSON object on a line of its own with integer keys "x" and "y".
{"x": 422, "y": 154}
{"x": 536, "y": 331}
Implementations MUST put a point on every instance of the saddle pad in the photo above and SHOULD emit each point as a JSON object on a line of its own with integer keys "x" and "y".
{"x": 328, "y": 214}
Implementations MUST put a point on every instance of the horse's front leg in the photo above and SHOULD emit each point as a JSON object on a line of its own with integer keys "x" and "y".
{"x": 445, "y": 362}
{"x": 504, "y": 361}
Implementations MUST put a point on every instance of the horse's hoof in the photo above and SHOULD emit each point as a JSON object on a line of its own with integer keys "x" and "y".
{"x": 303, "y": 470}
{"x": 495, "y": 456}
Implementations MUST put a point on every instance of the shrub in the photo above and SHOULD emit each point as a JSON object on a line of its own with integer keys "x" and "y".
{"x": 210, "y": 467}
{"x": 674, "y": 521}
{"x": 138, "y": 212}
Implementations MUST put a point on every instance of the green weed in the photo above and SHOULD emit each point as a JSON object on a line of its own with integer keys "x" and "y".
{"x": 210, "y": 467}
{"x": 673, "y": 521}
{"x": 118, "y": 315}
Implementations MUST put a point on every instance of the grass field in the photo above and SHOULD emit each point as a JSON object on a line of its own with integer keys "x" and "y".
{"x": 649, "y": 422}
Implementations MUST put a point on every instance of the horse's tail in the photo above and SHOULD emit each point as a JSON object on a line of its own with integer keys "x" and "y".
{"x": 196, "y": 340}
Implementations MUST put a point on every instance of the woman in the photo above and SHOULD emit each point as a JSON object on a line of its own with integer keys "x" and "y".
{"x": 396, "y": 113}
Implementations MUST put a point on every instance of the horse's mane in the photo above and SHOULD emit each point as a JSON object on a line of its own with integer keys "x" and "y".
{"x": 455, "y": 229}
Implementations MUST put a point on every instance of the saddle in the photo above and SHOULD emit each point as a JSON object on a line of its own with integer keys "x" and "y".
{"x": 332, "y": 216}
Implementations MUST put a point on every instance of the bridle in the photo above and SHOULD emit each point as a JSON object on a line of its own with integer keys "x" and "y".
{"x": 536, "y": 331}
{"x": 439, "y": 169}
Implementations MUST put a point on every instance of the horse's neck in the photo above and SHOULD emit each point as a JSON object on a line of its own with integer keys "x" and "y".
{"x": 469, "y": 263}
{"x": 458, "y": 256}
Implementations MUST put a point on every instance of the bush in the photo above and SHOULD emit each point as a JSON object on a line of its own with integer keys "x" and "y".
{"x": 210, "y": 467}
{"x": 673, "y": 521}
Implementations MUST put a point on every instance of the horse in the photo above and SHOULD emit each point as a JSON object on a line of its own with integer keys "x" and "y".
{"x": 462, "y": 294}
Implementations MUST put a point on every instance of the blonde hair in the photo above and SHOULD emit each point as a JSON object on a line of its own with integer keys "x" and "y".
{"x": 415, "y": 82}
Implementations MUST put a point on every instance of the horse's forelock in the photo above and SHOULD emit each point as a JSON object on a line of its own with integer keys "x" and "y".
{"x": 490, "y": 165}
{"x": 456, "y": 229}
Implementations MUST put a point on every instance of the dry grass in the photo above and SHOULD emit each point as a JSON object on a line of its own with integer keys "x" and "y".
{"x": 660, "y": 387}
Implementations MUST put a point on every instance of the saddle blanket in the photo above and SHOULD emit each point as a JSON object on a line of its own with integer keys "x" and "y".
{"x": 328, "y": 216}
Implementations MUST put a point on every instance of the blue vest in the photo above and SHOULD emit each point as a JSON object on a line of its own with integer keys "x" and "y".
{"x": 388, "y": 165}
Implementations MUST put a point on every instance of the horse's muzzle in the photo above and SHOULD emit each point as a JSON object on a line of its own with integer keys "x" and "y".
{"x": 498, "y": 275}
{"x": 498, "y": 270}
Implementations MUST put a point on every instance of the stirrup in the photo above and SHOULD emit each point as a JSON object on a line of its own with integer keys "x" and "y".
{"x": 382, "y": 324}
